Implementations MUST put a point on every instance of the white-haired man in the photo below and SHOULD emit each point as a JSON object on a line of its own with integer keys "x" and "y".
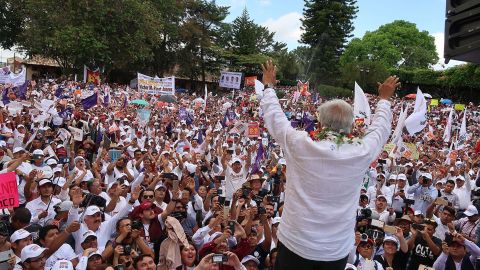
{"x": 323, "y": 177}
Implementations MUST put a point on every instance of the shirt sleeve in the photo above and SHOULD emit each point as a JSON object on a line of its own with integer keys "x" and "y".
{"x": 380, "y": 129}
{"x": 439, "y": 263}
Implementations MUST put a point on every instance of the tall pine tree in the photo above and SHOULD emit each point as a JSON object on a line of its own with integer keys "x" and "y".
{"x": 327, "y": 25}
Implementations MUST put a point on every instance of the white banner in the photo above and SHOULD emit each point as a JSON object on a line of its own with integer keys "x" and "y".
{"x": 361, "y": 108}
{"x": 8, "y": 77}
{"x": 230, "y": 79}
{"x": 151, "y": 85}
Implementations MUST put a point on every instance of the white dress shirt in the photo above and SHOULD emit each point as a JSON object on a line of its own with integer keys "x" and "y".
{"x": 321, "y": 195}
{"x": 37, "y": 206}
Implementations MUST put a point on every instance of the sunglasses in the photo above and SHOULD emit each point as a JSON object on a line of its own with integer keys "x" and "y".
{"x": 148, "y": 196}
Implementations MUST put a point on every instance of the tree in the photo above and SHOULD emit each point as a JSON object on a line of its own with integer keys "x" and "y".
{"x": 327, "y": 24}
{"x": 103, "y": 33}
{"x": 11, "y": 22}
{"x": 396, "y": 45}
{"x": 249, "y": 44}
{"x": 199, "y": 33}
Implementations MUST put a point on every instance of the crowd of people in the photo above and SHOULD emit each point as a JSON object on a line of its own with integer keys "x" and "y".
{"x": 191, "y": 186}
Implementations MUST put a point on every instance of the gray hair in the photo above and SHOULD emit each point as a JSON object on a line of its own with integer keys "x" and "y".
{"x": 336, "y": 115}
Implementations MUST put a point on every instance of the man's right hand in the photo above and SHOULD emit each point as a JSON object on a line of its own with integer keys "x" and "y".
{"x": 387, "y": 88}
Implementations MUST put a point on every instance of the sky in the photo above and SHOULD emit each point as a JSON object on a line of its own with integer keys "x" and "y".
{"x": 283, "y": 18}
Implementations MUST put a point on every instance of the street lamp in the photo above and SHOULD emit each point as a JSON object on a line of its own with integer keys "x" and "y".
{"x": 363, "y": 76}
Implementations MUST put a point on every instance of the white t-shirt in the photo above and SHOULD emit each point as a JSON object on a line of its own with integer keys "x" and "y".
{"x": 65, "y": 252}
{"x": 234, "y": 181}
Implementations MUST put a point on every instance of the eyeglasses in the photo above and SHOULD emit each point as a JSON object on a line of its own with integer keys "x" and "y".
{"x": 148, "y": 196}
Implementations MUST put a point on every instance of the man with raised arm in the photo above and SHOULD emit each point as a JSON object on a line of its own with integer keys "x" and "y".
{"x": 324, "y": 174}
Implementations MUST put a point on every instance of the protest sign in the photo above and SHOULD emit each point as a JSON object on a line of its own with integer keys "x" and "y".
{"x": 459, "y": 107}
{"x": 8, "y": 77}
{"x": 151, "y": 85}
{"x": 143, "y": 116}
{"x": 76, "y": 133}
{"x": 253, "y": 130}
{"x": 433, "y": 102}
{"x": 230, "y": 79}
{"x": 8, "y": 190}
{"x": 114, "y": 154}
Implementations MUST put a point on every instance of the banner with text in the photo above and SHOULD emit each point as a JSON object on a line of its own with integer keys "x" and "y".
{"x": 8, "y": 190}
{"x": 230, "y": 79}
{"x": 153, "y": 86}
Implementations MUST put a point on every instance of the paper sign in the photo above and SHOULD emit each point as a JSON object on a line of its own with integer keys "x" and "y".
{"x": 230, "y": 79}
{"x": 114, "y": 154}
{"x": 77, "y": 133}
{"x": 253, "y": 130}
{"x": 459, "y": 107}
{"x": 8, "y": 190}
{"x": 434, "y": 102}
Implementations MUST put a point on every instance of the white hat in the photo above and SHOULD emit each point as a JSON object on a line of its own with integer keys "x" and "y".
{"x": 77, "y": 158}
{"x": 120, "y": 176}
{"x": 402, "y": 176}
{"x": 20, "y": 126}
{"x": 409, "y": 164}
{"x": 60, "y": 146}
{"x": 51, "y": 161}
{"x": 3, "y": 144}
{"x": 458, "y": 163}
{"x": 38, "y": 152}
{"x": 460, "y": 177}
{"x": 250, "y": 258}
{"x": 57, "y": 169}
{"x": 350, "y": 267}
{"x": 160, "y": 185}
{"x": 64, "y": 206}
{"x": 92, "y": 210}
{"x": 19, "y": 235}
{"x": 381, "y": 195}
{"x": 31, "y": 251}
{"x": 427, "y": 175}
{"x": 59, "y": 181}
{"x": 125, "y": 182}
{"x": 381, "y": 174}
{"x": 471, "y": 211}
{"x": 44, "y": 181}
{"x": 87, "y": 234}
{"x": 276, "y": 220}
{"x": 213, "y": 236}
{"x": 418, "y": 212}
{"x": 18, "y": 149}
{"x": 235, "y": 159}
{"x": 94, "y": 253}
{"x": 164, "y": 152}
{"x": 391, "y": 238}
{"x": 282, "y": 161}
{"x": 392, "y": 176}
{"x": 62, "y": 265}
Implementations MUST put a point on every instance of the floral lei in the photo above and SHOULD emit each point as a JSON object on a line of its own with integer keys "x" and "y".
{"x": 338, "y": 138}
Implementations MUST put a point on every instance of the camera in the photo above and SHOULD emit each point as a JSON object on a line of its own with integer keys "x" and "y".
{"x": 127, "y": 249}
{"x": 364, "y": 213}
{"x": 221, "y": 200}
{"x": 137, "y": 225}
{"x": 246, "y": 192}
{"x": 204, "y": 168}
{"x": 364, "y": 237}
{"x": 419, "y": 227}
{"x": 219, "y": 258}
{"x": 409, "y": 201}
{"x": 119, "y": 267}
{"x": 63, "y": 160}
{"x": 274, "y": 199}
{"x": 91, "y": 199}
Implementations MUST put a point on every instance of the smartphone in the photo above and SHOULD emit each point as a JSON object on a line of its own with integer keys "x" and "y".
{"x": 389, "y": 229}
{"x": 221, "y": 200}
{"x": 448, "y": 238}
{"x": 226, "y": 211}
{"x": 168, "y": 175}
{"x": 273, "y": 199}
{"x": 231, "y": 226}
{"x": 219, "y": 258}
{"x": 175, "y": 184}
{"x": 377, "y": 223}
{"x": 418, "y": 227}
{"x": 4, "y": 255}
{"x": 63, "y": 160}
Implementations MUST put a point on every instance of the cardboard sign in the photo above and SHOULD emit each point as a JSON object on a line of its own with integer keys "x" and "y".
{"x": 433, "y": 102}
{"x": 8, "y": 190}
{"x": 77, "y": 133}
{"x": 253, "y": 130}
{"x": 459, "y": 107}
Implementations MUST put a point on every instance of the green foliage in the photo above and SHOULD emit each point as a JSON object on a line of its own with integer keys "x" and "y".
{"x": 327, "y": 24}
{"x": 11, "y": 22}
{"x": 333, "y": 92}
{"x": 396, "y": 45}
{"x": 365, "y": 73}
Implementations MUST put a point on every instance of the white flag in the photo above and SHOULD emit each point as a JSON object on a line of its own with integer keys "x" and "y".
{"x": 397, "y": 134}
{"x": 361, "y": 109}
{"x": 418, "y": 119}
{"x": 462, "y": 135}
{"x": 448, "y": 128}
{"x": 206, "y": 96}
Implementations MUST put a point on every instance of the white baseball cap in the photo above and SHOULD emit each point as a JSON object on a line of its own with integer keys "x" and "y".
{"x": 402, "y": 176}
{"x": 92, "y": 210}
{"x": 51, "y": 161}
{"x": 44, "y": 181}
{"x": 250, "y": 258}
{"x": 64, "y": 206}
{"x": 31, "y": 251}
{"x": 19, "y": 235}
{"x": 62, "y": 265}
{"x": 391, "y": 239}
{"x": 427, "y": 175}
{"x": 88, "y": 234}
{"x": 276, "y": 220}
{"x": 460, "y": 177}
{"x": 418, "y": 212}
{"x": 235, "y": 159}
{"x": 18, "y": 149}
{"x": 471, "y": 211}
{"x": 38, "y": 152}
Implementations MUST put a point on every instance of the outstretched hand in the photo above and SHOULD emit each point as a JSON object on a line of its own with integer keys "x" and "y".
{"x": 387, "y": 88}
{"x": 269, "y": 73}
